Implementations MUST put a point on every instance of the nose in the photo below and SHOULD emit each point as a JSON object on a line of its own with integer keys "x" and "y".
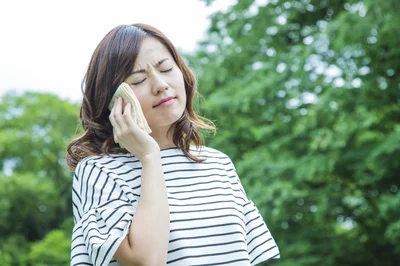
{"x": 159, "y": 84}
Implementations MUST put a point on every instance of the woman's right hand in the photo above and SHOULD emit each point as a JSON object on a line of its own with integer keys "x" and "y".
{"x": 128, "y": 134}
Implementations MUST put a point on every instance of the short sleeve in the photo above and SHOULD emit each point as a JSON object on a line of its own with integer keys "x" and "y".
{"x": 104, "y": 210}
{"x": 261, "y": 246}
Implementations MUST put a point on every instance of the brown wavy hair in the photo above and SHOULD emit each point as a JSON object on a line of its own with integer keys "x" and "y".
{"x": 110, "y": 65}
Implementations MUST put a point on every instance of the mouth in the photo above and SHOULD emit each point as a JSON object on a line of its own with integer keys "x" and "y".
{"x": 165, "y": 101}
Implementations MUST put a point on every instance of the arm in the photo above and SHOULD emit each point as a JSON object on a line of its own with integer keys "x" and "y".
{"x": 147, "y": 240}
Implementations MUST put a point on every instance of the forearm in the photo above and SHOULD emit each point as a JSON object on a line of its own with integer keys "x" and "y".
{"x": 150, "y": 224}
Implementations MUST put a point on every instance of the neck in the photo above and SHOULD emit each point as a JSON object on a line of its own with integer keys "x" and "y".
{"x": 163, "y": 139}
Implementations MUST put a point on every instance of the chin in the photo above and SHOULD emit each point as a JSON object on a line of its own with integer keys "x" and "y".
{"x": 165, "y": 121}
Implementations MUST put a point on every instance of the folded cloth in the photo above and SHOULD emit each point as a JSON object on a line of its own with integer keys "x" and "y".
{"x": 128, "y": 95}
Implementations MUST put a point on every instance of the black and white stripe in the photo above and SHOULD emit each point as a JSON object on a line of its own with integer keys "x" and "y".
{"x": 212, "y": 220}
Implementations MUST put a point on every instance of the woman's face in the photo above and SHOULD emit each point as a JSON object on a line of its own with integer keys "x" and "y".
{"x": 158, "y": 84}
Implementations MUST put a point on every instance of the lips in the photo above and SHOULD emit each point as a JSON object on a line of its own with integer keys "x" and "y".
{"x": 163, "y": 101}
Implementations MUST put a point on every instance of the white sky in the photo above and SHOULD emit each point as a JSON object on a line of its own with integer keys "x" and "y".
{"x": 46, "y": 45}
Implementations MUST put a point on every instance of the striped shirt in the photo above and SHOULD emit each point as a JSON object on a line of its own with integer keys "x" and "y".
{"x": 212, "y": 222}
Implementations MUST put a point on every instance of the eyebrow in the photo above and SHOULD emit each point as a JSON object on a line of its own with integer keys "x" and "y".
{"x": 156, "y": 65}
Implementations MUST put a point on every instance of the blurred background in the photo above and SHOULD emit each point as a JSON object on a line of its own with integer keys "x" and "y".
{"x": 305, "y": 95}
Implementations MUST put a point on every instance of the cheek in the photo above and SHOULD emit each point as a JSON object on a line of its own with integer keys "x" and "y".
{"x": 183, "y": 98}
{"x": 180, "y": 86}
{"x": 144, "y": 101}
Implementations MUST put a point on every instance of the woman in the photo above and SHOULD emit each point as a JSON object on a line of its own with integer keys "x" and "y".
{"x": 159, "y": 198}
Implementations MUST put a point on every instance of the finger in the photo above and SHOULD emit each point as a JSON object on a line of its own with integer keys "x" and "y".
{"x": 115, "y": 119}
{"x": 114, "y": 135}
{"x": 116, "y": 140}
{"x": 129, "y": 120}
{"x": 111, "y": 117}
{"x": 118, "y": 115}
{"x": 131, "y": 111}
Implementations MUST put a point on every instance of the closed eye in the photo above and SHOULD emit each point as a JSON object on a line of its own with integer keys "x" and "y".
{"x": 137, "y": 83}
{"x": 167, "y": 70}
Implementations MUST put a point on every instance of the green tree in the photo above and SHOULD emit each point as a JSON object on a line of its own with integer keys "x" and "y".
{"x": 35, "y": 184}
{"x": 5, "y": 259}
{"x": 311, "y": 93}
{"x": 52, "y": 250}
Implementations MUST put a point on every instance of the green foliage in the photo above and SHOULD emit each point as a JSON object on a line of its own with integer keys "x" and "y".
{"x": 51, "y": 250}
{"x": 5, "y": 259}
{"x": 34, "y": 132}
{"x": 15, "y": 248}
{"x": 31, "y": 202}
{"x": 35, "y": 184}
{"x": 312, "y": 98}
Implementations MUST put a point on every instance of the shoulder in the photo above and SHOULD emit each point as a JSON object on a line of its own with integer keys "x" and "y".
{"x": 207, "y": 151}
{"x": 210, "y": 153}
{"x": 105, "y": 162}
